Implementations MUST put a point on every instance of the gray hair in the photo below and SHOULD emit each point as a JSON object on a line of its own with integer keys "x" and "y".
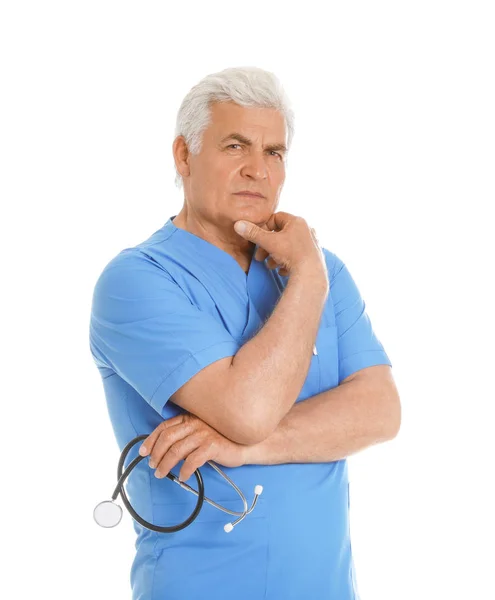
{"x": 247, "y": 86}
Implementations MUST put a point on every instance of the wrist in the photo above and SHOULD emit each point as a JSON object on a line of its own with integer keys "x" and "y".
{"x": 317, "y": 278}
{"x": 247, "y": 454}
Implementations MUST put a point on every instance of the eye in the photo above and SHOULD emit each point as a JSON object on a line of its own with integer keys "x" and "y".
{"x": 277, "y": 153}
{"x": 231, "y": 145}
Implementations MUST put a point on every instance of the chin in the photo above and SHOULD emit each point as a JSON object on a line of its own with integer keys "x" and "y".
{"x": 257, "y": 207}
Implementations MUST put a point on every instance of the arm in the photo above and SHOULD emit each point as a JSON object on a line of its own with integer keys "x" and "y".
{"x": 249, "y": 394}
{"x": 363, "y": 410}
{"x": 145, "y": 329}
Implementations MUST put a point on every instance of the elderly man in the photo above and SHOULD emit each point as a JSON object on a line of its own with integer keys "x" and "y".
{"x": 249, "y": 347}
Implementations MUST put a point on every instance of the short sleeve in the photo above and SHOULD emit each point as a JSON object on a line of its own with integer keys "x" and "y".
{"x": 145, "y": 328}
{"x": 358, "y": 346}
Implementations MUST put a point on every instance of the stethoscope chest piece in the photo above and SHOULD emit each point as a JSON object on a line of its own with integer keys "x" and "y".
{"x": 107, "y": 513}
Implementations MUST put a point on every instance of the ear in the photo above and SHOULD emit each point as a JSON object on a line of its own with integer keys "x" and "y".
{"x": 181, "y": 155}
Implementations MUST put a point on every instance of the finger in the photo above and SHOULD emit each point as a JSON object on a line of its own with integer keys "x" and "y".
{"x": 250, "y": 231}
{"x": 149, "y": 442}
{"x": 194, "y": 461}
{"x": 271, "y": 264}
{"x": 262, "y": 235}
{"x": 260, "y": 254}
{"x": 315, "y": 236}
{"x": 177, "y": 452}
{"x": 279, "y": 220}
{"x": 167, "y": 437}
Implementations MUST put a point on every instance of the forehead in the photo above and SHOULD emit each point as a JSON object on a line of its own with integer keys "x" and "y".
{"x": 249, "y": 120}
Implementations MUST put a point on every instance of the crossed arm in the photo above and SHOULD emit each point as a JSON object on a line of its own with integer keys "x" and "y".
{"x": 363, "y": 410}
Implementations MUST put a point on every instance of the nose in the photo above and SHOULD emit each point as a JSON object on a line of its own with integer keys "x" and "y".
{"x": 255, "y": 166}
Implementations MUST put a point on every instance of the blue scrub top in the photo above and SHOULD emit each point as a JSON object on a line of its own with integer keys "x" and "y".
{"x": 162, "y": 311}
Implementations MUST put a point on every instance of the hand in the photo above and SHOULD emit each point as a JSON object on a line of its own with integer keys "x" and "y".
{"x": 188, "y": 437}
{"x": 291, "y": 246}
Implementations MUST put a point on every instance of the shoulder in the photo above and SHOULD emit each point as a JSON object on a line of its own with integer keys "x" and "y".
{"x": 131, "y": 270}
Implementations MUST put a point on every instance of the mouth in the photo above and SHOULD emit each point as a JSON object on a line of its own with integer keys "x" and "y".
{"x": 249, "y": 194}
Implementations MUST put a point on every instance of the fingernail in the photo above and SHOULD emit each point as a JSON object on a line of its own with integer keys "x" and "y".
{"x": 240, "y": 227}
{"x": 143, "y": 451}
{"x": 158, "y": 474}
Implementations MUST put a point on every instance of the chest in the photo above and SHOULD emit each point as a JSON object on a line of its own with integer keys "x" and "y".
{"x": 243, "y": 306}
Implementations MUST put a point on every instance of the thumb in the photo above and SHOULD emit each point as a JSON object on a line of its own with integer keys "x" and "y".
{"x": 249, "y": 230}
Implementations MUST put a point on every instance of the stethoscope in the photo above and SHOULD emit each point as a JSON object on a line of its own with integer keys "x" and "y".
{"x": 109, "y": 514}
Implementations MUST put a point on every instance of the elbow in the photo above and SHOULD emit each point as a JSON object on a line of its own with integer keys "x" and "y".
{"x": 246, "y": 438}
{"x": 247, "y": 431}
{"x": 249, "y": 424}
{"x": 262, "y": 427}
{"x": 253, "y": 430}
{"x": 394, "y": 419}
{"x": 255, "y": 433}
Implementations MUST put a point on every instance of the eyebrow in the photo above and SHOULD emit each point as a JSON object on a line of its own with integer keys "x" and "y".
{"x": 244, "y": 140}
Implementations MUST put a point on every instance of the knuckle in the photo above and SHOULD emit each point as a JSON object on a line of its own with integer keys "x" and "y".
{"x": 175, "y": 450}
{"x": 190, "y": 423}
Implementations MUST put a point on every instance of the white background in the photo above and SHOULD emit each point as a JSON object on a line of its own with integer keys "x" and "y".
{"x": 392, "y": 163}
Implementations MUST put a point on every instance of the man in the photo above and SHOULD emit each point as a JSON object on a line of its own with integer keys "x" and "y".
{"x": 275, "y": 375}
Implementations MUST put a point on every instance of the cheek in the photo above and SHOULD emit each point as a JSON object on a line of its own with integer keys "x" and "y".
{"x": 212, "y": 176}
{"x": 277, "y": 181}
{"x": 222, "y": 173}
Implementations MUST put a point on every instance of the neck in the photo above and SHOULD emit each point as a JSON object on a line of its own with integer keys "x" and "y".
{"x": 240, "y": 249}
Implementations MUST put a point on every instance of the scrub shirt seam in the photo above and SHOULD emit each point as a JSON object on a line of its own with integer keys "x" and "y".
{"x": 335, "y": 275}
{"x": 386, "y": 361}
{"x": 363, "y": 310}
{"x": 154, "y": 569}
{"x": 160, "y": 266}
{"x": 361, "y": 352}
{"x": 148, "y": 245}
{"x": 107, "y": 376}
{"x": 188, "y": 357}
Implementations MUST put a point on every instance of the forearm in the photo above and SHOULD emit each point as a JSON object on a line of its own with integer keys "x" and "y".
{"x": 330, "y": 426}
{"x": 275, "y": 362}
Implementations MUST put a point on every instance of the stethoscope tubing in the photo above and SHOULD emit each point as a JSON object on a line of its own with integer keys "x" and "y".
{"x": 120, "y": 489}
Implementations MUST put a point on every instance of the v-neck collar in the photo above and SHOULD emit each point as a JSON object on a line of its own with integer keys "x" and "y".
{"x": 223, "y": 257}
{"x": 259, "y": 285}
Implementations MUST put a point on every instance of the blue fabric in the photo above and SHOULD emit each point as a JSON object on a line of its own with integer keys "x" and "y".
{"x": 162, "y": 311}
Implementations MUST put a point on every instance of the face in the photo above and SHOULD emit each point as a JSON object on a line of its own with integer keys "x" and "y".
{"x": 242, "y": 149}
